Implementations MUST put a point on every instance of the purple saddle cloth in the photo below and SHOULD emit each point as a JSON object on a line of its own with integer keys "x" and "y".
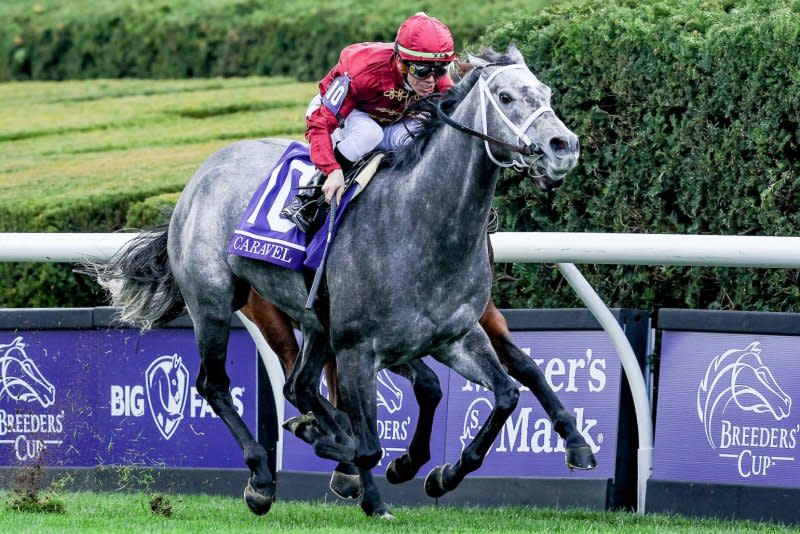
{"x": 264, "y": 234}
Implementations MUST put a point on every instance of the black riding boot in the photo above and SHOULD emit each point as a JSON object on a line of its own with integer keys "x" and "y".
{"x": 303, "y": 208}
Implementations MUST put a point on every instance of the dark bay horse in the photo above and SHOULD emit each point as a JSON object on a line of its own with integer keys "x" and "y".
{"x": 408, "y": 273}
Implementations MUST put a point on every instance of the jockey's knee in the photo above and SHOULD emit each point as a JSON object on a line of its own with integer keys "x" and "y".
{"x": 399, "y": 134}
{"x": 361, "y": 135}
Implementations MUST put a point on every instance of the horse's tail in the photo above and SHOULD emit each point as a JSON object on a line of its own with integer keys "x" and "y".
{"x": 138, "y": 279}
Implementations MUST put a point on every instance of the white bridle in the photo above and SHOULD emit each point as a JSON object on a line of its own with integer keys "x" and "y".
{"x": 519, "y": 131}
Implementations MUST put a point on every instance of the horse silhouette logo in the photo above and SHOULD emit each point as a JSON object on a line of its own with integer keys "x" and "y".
{"x": 389, "y": 395}
{"x": 20, "y": 378}
{"x": 477, "y": 413}
{"x": 167, "y": 387}
{"x": 739, "y": 378}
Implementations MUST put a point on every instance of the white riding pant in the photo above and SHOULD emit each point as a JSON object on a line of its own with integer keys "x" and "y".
{"x": 362, "y": 134}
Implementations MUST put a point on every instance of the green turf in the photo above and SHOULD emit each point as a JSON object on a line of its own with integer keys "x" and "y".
{"x": 120, "y": 512}
{"x": 93, "y": 138}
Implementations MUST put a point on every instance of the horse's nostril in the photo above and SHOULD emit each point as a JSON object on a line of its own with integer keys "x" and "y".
{"x": 559, "y": 145}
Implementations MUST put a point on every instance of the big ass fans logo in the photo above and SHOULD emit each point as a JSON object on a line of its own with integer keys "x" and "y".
{"x": 167, "y": 392}
{"x": 738, "y": 385}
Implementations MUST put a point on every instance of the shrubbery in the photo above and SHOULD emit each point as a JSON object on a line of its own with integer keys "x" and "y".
{"x": 168, "y": 39}
{"x": 688, "y": 115}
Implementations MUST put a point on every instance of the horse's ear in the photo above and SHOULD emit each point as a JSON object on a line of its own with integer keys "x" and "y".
{"x": 458, "y": 69}
{"x": 514, "y": 54}
{"x": 476, "y": 61}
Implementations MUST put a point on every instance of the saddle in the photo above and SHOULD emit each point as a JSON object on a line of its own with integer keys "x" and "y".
{"x": 264, "y": 235}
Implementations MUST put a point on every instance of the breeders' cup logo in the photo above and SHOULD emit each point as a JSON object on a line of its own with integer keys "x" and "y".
{"x": 22, "y": 382}
{"x": 392, "y": 429}
{"x": 738, "y": 382}
{"x": 389, "y": 395}
{"x": 21, "y": 379}
{"x": 167, "y": 387}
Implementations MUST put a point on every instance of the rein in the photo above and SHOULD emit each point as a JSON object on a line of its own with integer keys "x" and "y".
{"x": 521, "y": 149}
{"x": 529, "y": 148}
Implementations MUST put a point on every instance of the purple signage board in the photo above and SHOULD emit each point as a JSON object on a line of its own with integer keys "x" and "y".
{"x": 584, "y": 370}
{"x": 725, "y": 409}
{"x": 83, "y": 398}
{"x": 398, "y": 414}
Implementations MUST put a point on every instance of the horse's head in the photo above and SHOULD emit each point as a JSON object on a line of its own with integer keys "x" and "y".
{"x": 739, "y": 378}
{"x": 20, "y": 378}
{"x": 754, "y": 388}
{"x": 516, "y": 111}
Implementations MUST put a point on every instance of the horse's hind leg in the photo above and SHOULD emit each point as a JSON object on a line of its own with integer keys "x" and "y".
{"x": 276, "y": 327}
{"x": 473, "y": 358}
{"x": 578, "y": 453}
{"x": 428, "y": 393}
{"x": 212, "y": 329}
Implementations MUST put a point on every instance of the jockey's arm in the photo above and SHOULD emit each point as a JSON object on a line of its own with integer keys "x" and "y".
{"x": 320, "y": 124}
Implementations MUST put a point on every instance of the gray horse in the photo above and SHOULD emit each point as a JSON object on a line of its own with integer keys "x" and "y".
{"x": 408, "y": 273}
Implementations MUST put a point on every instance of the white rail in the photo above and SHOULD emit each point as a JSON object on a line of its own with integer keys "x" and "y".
{"x": 563, "y": 249}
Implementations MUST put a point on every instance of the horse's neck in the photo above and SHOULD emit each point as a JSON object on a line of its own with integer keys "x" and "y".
{"x": 455, "y": 177}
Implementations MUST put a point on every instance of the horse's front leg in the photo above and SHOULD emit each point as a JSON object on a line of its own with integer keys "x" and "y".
{"x": 213, "y": 384}
{"x": 276, "y": 327}
{"x": 428, "y": 393}
{"x": 578, "y": 452}
{"x": 473, "y": 358}
{"x": 358, "y": 398}
{"x": 320, "y": 424}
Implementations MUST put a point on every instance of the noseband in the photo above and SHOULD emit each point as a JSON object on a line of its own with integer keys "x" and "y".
{"x": 528, "y": 148}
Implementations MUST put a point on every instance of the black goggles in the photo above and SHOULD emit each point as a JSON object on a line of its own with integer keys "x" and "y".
{"x": 423, "y": 70}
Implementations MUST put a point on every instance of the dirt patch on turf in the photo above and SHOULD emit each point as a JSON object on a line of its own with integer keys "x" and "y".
{"x": 160, "y": 505}
{"x": 27, "y": 496}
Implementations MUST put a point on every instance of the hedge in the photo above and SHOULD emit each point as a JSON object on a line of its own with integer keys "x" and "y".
{"x": 688, "y": 114}
{"x": 177, "y": 39}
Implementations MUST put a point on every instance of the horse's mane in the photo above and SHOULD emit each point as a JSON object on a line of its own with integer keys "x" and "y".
{"x": 425, "y": 109}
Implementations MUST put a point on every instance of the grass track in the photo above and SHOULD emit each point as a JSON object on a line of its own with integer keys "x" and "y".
{"x": 82, "y": 139}
{"x": 120, "y": 512}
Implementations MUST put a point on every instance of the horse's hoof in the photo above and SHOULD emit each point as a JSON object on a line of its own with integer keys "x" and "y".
{"x": 296, "y": 424}
{"x": 385, "y": 515}
{"x": 346, "y": 486}
{"x": 258, "y": 504}
{"x": 434, "y": 482}
{"x": 396, "y": 473}
{"x": 580, "y": 458}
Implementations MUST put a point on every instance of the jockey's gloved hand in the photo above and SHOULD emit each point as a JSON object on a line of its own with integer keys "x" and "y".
{"x": 334, "y": 185}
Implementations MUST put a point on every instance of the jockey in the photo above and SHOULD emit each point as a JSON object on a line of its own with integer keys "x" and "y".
{"x": 365, "y": 95}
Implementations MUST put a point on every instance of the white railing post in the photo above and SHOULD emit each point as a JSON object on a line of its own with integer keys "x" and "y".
{"x": 641, "y": 400}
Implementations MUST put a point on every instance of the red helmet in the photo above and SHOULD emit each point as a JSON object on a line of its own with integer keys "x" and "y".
{"x": 424, "y": 38}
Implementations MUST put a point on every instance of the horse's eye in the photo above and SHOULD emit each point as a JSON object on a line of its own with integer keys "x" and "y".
{"x": 505, "y": 98}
